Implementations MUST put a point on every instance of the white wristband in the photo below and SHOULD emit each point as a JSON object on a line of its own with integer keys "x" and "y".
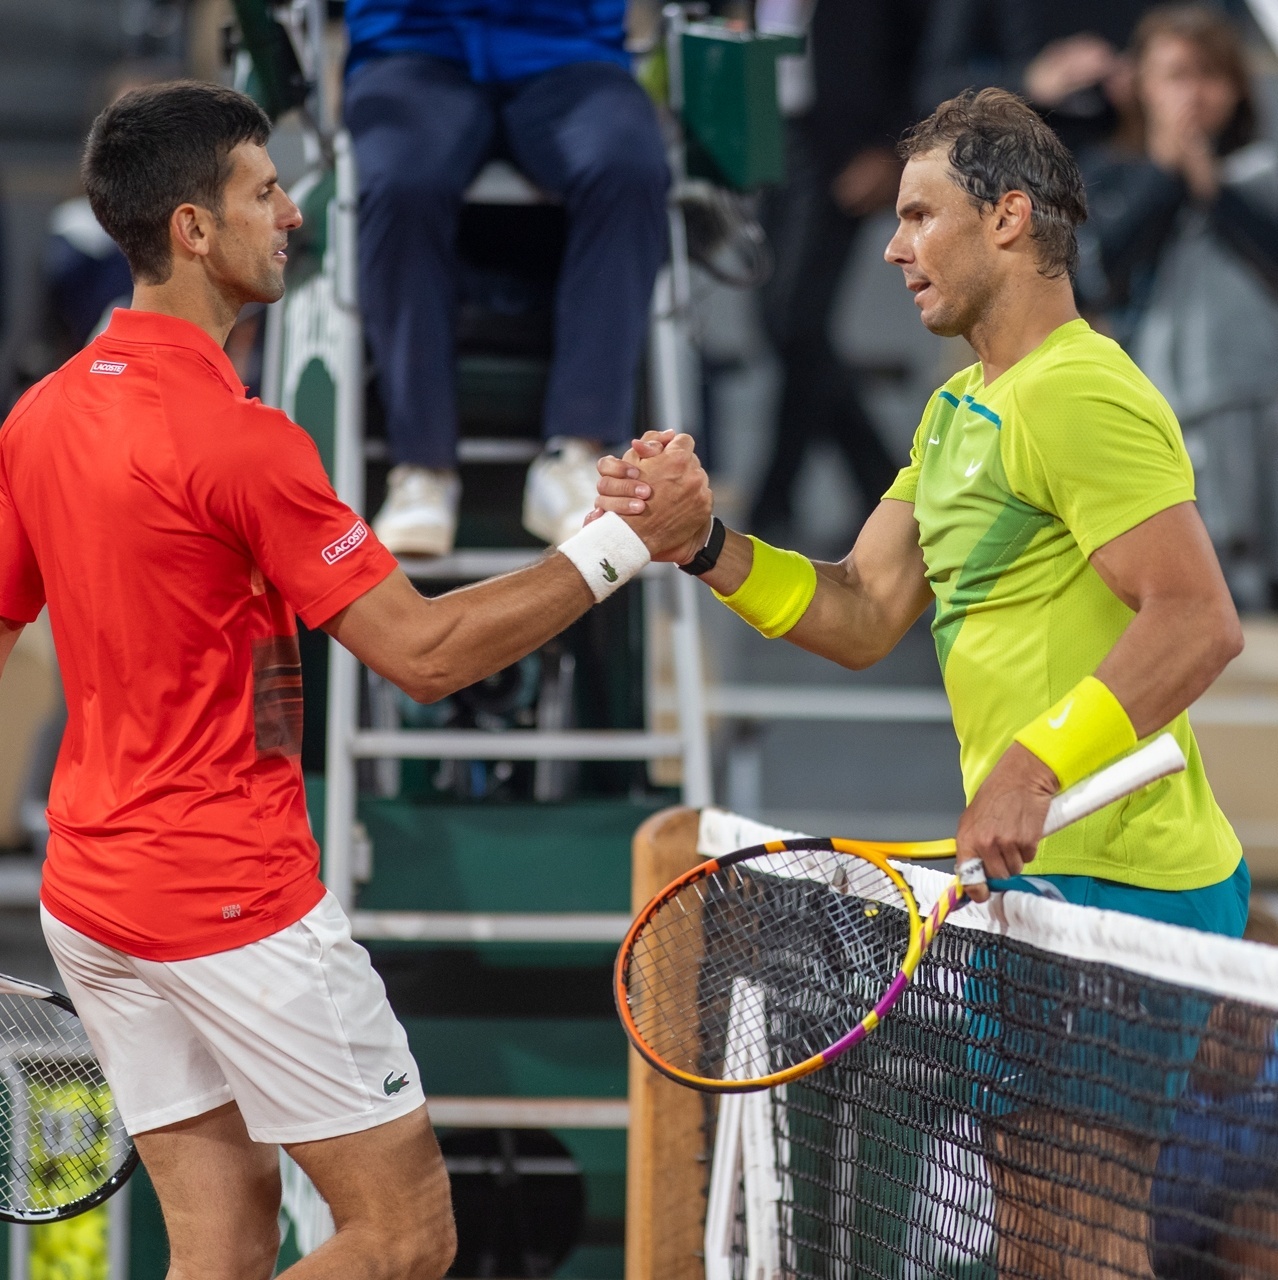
{"x": 607, "y": 553}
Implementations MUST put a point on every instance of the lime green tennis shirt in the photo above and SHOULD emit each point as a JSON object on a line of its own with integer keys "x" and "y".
{"x": 1014, "y": 486}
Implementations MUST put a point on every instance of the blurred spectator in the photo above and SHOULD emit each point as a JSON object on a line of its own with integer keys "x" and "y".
{"x": 434, "y": 89}
{"x": 841, "y": 165}
{"x": 86, "y": 275}
{"x": 1182, "y": 248}
{"x": 1061, "y": 55}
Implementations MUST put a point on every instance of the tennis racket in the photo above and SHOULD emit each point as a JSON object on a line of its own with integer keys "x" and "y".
{"x": 767, "y": 964}
{"x": 63, "y": 1146}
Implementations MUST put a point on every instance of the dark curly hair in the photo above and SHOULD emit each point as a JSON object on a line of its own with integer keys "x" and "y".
{"x": 996, "y": 143}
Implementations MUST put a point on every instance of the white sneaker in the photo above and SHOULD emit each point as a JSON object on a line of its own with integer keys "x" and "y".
{"x": 419, "y": 516}
{"x": 560, "y": 489}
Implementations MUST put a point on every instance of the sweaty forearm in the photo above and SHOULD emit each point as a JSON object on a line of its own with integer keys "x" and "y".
{"x": 1167, "y": 658}
{"x": 861, "y": 606}
{"x": 478, "y": 630}
{"x": 848, "y": 624}
{"x": 431, "y": 647}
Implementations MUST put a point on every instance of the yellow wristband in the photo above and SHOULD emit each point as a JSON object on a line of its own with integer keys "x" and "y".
{"x": 776, "y": 592}
{"x": 1086, "y": 729}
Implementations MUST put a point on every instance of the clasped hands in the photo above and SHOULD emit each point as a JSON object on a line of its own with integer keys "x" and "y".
{"x": 659, "y": 487}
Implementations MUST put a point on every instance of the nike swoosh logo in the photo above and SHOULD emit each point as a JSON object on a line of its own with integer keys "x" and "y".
{"x": 1057, "y": 721}
{"x": 934, "y": 439}
{"x": 972, "y": 468}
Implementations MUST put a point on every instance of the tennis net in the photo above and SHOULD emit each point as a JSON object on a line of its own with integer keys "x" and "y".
{"x": 1062, "y": 1093}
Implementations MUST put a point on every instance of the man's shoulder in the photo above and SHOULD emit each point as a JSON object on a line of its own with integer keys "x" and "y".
{"x": 26, "y": 402}
{"x": 245, "y": 447}
{"x": 1086, "y": 365}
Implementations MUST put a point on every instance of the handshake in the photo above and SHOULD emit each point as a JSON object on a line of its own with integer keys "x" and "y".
{"x": 661, "y": 490}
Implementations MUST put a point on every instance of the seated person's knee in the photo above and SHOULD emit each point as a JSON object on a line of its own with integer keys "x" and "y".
{"x": 412, "y": 190}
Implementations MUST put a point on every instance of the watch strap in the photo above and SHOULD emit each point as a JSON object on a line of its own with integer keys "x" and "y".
{"x": 708, "y": 556}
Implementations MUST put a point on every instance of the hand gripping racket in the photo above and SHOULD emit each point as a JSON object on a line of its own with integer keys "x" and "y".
{"x": 767, "y": 964}
{"x": 63, "y": 1146}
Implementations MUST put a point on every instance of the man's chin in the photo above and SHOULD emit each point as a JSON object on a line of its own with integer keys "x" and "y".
{"x": 270, "y": 288}
{"x": 941, "y": 322}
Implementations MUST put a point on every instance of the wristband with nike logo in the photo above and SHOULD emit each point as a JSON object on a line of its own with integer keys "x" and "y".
{"x": 1086, "y": 729}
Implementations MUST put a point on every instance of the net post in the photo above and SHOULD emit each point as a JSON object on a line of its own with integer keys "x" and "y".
{"x": 666, "y": 1172}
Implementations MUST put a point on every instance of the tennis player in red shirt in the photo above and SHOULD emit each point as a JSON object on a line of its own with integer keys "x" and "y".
{"x": 175, "y": 528}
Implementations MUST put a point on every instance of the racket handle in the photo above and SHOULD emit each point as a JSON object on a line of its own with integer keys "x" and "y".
{"x": 1155, "y": 760}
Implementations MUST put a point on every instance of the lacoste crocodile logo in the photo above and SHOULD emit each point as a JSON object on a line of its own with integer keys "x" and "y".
{"x": 609, "y": 572}
{"x": 392, "y": 1086}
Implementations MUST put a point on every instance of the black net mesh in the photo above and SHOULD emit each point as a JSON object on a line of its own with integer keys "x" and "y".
{"x": 1021, "y": 1114}
{"x": 61, "y": 1138}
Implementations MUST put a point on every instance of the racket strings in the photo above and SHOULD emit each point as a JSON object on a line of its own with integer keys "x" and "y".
{"x": 61, "y": 1138}
{"x": 766, "y": 962}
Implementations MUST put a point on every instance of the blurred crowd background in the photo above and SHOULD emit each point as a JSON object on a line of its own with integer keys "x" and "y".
{"x": 814, "y": 380}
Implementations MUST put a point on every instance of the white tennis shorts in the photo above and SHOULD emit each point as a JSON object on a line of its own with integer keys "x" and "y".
{"x": 295, "y": 1028}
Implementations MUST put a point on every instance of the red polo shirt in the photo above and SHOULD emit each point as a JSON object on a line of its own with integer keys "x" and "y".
{"x": 173, "y": 527}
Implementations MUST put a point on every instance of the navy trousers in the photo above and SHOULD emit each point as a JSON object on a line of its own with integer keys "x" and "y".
{"x": 586, "y": 133}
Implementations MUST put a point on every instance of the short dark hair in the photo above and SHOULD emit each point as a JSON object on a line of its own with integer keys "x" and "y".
{"x": 156, "y": 148}
{"x": 996, "y": 143}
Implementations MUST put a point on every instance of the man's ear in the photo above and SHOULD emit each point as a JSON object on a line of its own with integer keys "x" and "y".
{"x": 1011, "y": 218}
{"x": 188, "y": 230}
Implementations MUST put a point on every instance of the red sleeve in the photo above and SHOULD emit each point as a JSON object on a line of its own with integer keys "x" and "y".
{"x": 21, "y": 586}
{"x": 264, "y": 481}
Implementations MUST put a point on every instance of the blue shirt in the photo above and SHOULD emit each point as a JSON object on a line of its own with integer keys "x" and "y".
{"x": 494, "y": 40}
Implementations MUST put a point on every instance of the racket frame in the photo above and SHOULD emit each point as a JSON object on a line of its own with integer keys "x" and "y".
{"x": 872, "y": 852}
{"x": 100, "y": 1194}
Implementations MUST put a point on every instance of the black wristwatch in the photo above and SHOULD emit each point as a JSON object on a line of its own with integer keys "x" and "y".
{"x": 708, "y": 556}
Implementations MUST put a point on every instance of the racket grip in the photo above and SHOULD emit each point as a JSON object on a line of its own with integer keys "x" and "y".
{"x": 1155, "y": 760}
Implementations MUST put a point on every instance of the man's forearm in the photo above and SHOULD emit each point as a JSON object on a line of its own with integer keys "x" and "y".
{"x": 862, "y": 605}
{"x": 431, "y": 647}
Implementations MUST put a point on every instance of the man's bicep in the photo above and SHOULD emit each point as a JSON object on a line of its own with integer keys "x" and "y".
{"x": 375, "y": 626}
{"x": 887, "y": 561}
{"x": 1169, "y": 554}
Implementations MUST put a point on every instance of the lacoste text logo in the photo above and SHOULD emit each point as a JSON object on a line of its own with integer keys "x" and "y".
{"x": 229, "y": 913}
{"x": 972, "y": 468}
{"x": 115, "y": 367}
{"x": 392, "y": 1086}
{"x": 1057, "y": 721}
{"x": 346, "y": 543}
{"x": 609, "y": 572}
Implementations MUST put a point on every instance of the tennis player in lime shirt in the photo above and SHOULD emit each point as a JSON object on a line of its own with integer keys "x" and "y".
{"x": 1047, "y": 512}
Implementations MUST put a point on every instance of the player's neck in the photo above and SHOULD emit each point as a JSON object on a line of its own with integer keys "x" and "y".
{"x": 1019, "y": 321}
{"x": 194, "y": 300}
